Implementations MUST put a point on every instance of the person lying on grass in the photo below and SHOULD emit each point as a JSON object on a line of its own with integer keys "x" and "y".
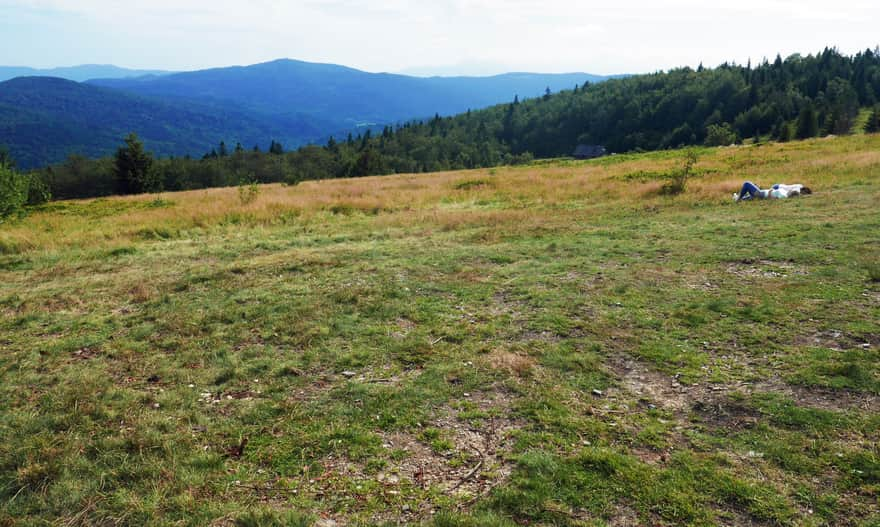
{"x": 777, "y": 191}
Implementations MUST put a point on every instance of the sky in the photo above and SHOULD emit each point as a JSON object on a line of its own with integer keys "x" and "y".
{"x": 445, "y": 37}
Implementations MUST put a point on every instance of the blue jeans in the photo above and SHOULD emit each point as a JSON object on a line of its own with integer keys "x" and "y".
{"x": 749, "y": 191}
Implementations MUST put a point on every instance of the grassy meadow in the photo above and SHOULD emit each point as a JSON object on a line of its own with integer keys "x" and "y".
{"x": 552, "y": 344}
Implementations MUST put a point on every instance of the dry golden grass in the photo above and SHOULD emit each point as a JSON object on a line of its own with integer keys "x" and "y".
{"x": 513, "y": 363}
{"x": 519, "y": 197}
{"x": 142, "y": 293}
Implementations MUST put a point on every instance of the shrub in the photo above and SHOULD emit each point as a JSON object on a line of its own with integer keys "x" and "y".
{"x": 678, "y": 179}
{"x": 519, "y": 159}
{"x": 720, "y": 135}
{"x": 248, "y": 190}
{"x": 13, "y": 192}
{"x": 38, "y": 191}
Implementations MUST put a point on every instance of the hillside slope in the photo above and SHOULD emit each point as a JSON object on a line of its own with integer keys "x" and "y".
{"x": 188, "y": 113}
{"x": 76, "y": 73}
{"x": 43, "y": 119}
{"x": 553, "y": 344}
{"x": 345, "y": 97}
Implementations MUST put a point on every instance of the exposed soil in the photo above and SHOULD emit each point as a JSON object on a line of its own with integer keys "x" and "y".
{"x": 713, "y": 402}
{"x": 838, "y": 340}
{"x": 821, "y": 398}
{"x": 476, "y": 463}
{"x": 767, "y": 269}
{"x": 651, "y": 387}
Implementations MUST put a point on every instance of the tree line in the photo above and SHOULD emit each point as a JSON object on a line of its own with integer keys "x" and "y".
{"x": 794, "y": 98}
{"x": 18, "y": 190}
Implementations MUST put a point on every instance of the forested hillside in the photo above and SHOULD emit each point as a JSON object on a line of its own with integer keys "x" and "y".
{"x": 341, "y": 97}
{"x": 799, "y": 97}
{"x": 44, "y": 119}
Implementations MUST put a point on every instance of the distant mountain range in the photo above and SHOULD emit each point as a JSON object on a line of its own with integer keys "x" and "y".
{"x": 344, "y": 97}
{"x": 42, "y": 120}
{"x": 76, "y": 73}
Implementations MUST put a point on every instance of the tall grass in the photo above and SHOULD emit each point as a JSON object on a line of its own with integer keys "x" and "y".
{"x": 435, "y": 200}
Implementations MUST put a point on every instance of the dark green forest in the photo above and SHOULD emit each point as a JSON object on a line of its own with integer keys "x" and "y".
{"x": 793, "y": 98}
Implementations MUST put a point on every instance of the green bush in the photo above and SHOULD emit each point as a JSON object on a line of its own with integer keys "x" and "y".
{"x": 38, "y": 191}
{"x": 720, "y": 135}
{"x": 678, "y": 179}
{"x": 13, "y": 192}
{"x": 248, "y": 190}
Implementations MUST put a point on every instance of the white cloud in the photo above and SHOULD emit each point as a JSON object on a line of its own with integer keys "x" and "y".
{"x": 553, "y": 35}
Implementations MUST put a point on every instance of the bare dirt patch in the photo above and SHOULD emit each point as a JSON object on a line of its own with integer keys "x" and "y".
{"x": 713, "y": 402}
{"x": 837, "y": 340}
{"x": 403, "y": 327}
{"x": 87, "y": 353}
{"x": 651, "y": 387}
{"x": 476, "y": 461}
{"x": 385, "y": 376}
{"x": 504, "y": 303}
{"x": 819, "y": 397}
{"x": 768, "y": 269}
{"x": 318, "y": 386}
{"x": 625, "y": 516}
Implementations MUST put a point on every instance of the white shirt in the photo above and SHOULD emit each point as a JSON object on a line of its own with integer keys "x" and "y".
{"x": 781, "y": 191}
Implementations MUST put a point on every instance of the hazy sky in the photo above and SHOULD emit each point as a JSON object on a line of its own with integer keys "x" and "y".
{"x": 434, "y": 36}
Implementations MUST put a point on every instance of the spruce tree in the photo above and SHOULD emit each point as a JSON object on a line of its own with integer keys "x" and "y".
{"x": 6, "y": 158}
{"x": 132, "y": 168}
{"x": 873, "y": 125}
{"x": 276, "y": 148}
{"x": 807, "y": 123}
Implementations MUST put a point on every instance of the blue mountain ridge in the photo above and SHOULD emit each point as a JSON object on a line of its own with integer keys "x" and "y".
{"x": 43, "y": 120}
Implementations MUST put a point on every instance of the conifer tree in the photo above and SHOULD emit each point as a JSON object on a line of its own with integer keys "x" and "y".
{"x": 132, "y": 168}
{"x": 873, "y": 125}
{"x": 6, "y": 158}
{"x": 807, "y": 123}
{"x": 276, "y": 148}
